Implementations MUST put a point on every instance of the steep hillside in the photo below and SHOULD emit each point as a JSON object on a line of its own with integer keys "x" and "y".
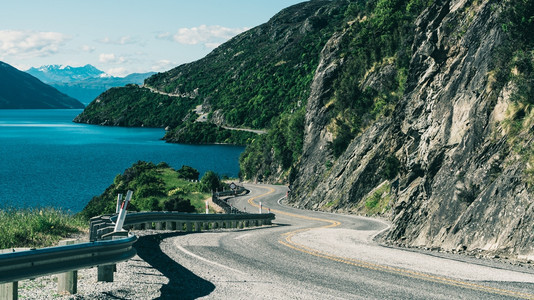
{"x": 251, "y": 81}
{"x": 449, "y": 157}
{"x": 21, "y": 90}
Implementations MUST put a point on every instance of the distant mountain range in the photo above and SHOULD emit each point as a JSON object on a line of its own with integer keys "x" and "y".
{"x": 83, "y": 83}
{"x": 19, "y": 90}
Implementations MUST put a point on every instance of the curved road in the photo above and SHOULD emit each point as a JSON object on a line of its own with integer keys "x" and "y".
{"x": 314, "y": 255}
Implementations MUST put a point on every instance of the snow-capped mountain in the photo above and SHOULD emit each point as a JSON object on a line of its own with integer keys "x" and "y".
{"x": 61, "y": 73}
{"x": 83, "y": 83}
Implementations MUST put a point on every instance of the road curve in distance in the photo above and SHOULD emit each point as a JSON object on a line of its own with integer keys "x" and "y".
{"x": 317, "y": 255}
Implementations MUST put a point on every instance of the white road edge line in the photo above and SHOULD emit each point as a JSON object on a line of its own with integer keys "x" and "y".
{"x": 206, "y": 260}
{"x": 280, "y": 200}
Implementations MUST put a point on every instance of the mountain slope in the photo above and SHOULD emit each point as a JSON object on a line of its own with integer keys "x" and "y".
{"x": 21, "y": 90}
{"x": 250, "y": 79}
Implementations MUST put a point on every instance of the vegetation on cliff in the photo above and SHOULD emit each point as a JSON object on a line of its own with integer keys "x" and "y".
{"x": 514, "y": 66}
{"x": 135, "y": 106}
{"x": 207, "y": 133}
{"x": 156, "y": 188}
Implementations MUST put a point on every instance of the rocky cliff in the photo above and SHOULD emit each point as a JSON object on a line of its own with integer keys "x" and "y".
{"x": 451, "y": 166}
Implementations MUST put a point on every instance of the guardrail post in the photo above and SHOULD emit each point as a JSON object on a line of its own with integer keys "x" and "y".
{"x": 105, "y": 273}
{"x": 159, "y": 225}
{"x": 168, "y": 225}
{"x": 67, "y": 282}
{"x": 148, "y": 225}
{"x": 9, "y": 291}
{"x": 198, "y": 226}
{"x": 188, "y": 227}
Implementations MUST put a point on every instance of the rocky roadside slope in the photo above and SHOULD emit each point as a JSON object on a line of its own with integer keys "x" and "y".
{"x": 459, "y": 184}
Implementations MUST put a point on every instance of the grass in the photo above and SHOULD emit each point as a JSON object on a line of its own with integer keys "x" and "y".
{"x": 378, "y": 201}
{"x": 189, "y": 190}
{"x": 37, "y": 228}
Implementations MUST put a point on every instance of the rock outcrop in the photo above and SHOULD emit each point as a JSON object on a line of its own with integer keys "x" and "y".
{"x": 459, "y": 185}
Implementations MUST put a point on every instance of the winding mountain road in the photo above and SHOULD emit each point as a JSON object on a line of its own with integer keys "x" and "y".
{"x": 314, "y": 255}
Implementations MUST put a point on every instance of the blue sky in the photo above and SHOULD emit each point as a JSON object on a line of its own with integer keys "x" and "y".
{"x": 123, "y": 36}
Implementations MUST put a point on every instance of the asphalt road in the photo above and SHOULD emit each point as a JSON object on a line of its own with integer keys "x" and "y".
{"x": 314, "y": 255}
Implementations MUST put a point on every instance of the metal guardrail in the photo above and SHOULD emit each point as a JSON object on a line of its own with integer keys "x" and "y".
{"x": 222, "y": 203}
{"x": 17, "y": 266}
{"x": 102, "y": 225}
{"x": 163, "y": 216}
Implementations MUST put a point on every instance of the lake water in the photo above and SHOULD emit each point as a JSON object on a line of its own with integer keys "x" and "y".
{"x": 48, "y": 161}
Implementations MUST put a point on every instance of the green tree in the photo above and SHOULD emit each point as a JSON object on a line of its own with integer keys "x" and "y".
{"x": 189, "y": 173}
{"x": 210, "y": 181}
{"x": 178, "y": 204}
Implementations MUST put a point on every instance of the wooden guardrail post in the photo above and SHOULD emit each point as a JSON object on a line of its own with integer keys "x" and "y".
{"x": 105, "y": 273}
{"x": 9, "y": 291}
{"x": 188, "y": 226}
{"x": 67, "y": 282}
{"x": 168, "y": 225}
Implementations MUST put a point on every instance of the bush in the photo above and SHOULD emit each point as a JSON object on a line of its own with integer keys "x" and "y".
{"x": 188, "y": 173}
{"x": 210, "y": 182}
{"x": 178, "y": 204}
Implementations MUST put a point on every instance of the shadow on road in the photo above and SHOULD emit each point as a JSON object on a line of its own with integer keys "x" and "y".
{"x": 183, "y": 284}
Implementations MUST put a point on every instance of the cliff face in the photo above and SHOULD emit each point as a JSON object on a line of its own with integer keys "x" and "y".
{"x": 457, "y": 181}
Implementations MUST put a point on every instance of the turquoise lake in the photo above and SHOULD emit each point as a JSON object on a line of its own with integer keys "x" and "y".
{"x": 48, "y": 161}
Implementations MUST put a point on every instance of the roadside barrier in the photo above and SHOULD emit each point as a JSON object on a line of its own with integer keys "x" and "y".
{"x": 109, "y": 244}
{"x": 177, "y": 221}
{"x": 19, "y": 265}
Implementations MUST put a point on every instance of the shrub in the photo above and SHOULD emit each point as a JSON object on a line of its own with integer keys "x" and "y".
{"x": 178, "y": 204}
{"x": 188, "y": 173}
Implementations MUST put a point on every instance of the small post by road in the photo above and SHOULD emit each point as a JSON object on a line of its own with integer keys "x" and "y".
{"x": 119, "y": 201}
{"x": 67, "y": 283}
{"x": 9, "y": 291}
{"x": 122, "y": 212}
{"x": 260, "y": 208}
{"x": 207, "y": 209}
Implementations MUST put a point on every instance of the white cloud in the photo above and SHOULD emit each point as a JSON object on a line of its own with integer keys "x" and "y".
{"x": 163, "y": 65}
{"x": 117, "y": 72}
{"x": 125, "y": 40}
{"x": 207, "y": 35}
{"x": 87, "y": 48}
{"x": 30, "y": 43}
{"x": 106, "y": 57}
{"x": 164, "y": 36}
{"x": 111, "y": 58}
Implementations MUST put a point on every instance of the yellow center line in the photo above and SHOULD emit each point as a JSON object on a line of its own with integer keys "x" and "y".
{"x": 288, "y": 242}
